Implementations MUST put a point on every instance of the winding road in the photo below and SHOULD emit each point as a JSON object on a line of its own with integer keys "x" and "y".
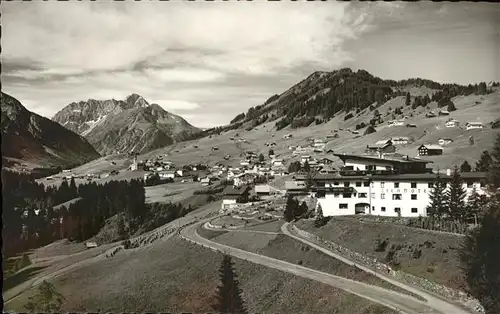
{"x": 392, "y": 299}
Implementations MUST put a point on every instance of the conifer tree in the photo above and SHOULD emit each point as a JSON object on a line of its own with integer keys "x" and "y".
{"x": 290, "y": 209}
{"x": 480, "y": 255}
{"x": 438, "y": 201}
{"x": 465, "y": 167}
{"x": 484, "y": 162}
{"x": 455, "y": 196}
{"x": 72, "y": 188}
{"x": 494, "y": 171}
{"x": 228, "y": 298}
{"x": 475, "y": 204}
{"x": 408, "y": 99}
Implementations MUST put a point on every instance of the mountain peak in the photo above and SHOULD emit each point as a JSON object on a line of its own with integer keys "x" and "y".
{"x": 136, "y": 101}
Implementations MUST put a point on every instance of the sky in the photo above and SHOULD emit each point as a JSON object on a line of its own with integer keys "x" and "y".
{"x": 209, "y": 61}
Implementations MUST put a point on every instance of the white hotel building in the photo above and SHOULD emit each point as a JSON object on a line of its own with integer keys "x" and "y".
{"x": 392, "y": 185}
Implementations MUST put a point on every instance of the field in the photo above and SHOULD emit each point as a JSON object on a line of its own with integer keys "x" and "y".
{"x": 438, "y": 259}
{"x": 157, "y": 279}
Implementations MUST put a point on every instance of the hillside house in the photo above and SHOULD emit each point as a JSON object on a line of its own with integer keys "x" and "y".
{"x": 391, "y": 194}
{"x": 90, "y": 245}
{"x": 278, "y": 171}
{"x": 443, "y": 113}
{"x": 474, "y": 125}
{"x": 167, "y": 174}
{"x": 205, "y": 181}
{"x": 179, "y": 172}
{"x": 452, "y": 123}
{"x": 305, "y": 158}
{"x": 430, "y": 150}
{"x": 396, "y": 122}
{"x": 380, "y": 147}
{"x": 326, "y": 161}
{"x": 296, "y": 188}
{"x": 400, "y": 140}
{"x": 245, "y": 163}
{"x": 243, "y": 179}
{"x": 411, "y": 125}
{"x": 287, "y": 136}
{"x": 430, "y": 114}
{"x": 445, "y": 141}
{"x": 232, "y": 196}
{"x": 214, "y": 148}
{"x": 277, "y": 163}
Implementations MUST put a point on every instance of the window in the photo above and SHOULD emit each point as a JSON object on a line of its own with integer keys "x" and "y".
{"x": 382, "y": 184}
{"x": 358, "y": 183}
{"x": 396, "y": 185}
{"x": 397, "y": 209}
{"x": 414, "y": 196}
{"x": 373, "y": 208}
{"x": 382, "y": 209}
{"x": 396, "y": 197}
{"x": 470, "y": 184}
{"x": 336, "y": 194}
{"x": 414, "y": 210}
{"x": 346, "y": 184}
{"x": 342, "y": 206}
{"x": 335, "y": 183}
{"x": 382, "y": 196}
{"x": 373, "y": 184}
{"x": 430, "y": 185}
{"x": 362, "y": 195}
{"x": 346, "y": 195}
{"x": 413, "y": 185}
{"x": 373, "y": 195}
{"x": 366, "y": 183}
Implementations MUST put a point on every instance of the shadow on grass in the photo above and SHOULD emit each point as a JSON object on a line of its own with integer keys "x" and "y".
{"x": 21, "y": 277}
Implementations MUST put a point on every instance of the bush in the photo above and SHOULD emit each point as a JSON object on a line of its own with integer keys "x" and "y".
{"x": 416, "y": 253}
{"x": 126, "y": 244}
{"x": 380, "y": 246}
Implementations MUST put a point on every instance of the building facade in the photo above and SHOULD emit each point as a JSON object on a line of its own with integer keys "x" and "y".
{"x": 402, "y": 189}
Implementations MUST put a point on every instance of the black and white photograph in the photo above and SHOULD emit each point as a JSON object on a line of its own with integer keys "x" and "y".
{"x": 250, "y": 157}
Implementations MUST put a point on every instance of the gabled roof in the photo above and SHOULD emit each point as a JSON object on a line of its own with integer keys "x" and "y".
{"x": 431, "y": 146}
{"x": 475, "y": 123}
{"x": 392, "y": 158}
{"x": 231, "y": 190}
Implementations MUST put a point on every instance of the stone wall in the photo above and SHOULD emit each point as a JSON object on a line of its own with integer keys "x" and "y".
{"x": 374, "y": 264}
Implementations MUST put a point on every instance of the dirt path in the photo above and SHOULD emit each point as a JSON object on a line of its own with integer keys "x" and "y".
{"x": 389, "y": 298}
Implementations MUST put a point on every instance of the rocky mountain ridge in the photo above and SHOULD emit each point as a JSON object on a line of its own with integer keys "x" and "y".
{"x": 29, "y": 137}
{"x": 126, "y": 125}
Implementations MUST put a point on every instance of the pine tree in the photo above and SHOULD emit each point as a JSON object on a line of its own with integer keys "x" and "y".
{"x": 306, "y": 166}
{"x": 494, "y": 171}
{"x": 480, "y": 255}
{"x": 484, "y": 162}
{"x": 261, "y": 157}
{"x": 465, "y": 167}
{"x": 475, "y": 203}
{"x": 455, "y": 196}
{"x": 408, "y": 99}
{"x": 73, "y": 189}
{"x": 437, "y": 196}
{"x": 290, "y": 209}
{"x": 228, "y": 298}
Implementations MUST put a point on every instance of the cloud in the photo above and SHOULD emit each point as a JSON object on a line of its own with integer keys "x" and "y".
{"x": 211, "y": 59}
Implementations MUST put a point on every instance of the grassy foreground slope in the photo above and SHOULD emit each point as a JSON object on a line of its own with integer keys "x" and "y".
{"x": 177, "y": 276}
{"x": 427, "y": 254}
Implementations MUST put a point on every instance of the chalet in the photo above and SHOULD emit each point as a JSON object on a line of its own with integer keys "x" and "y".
{"x": 445, "y": 141}
{"x": 400, "y": 140}
{"x": 474, "y": 125}
{"x": 305, "y": 158}
{"x": 430, "y": 150}
{"x": 443, "y": 113}
{"x": 326, "y": 161}
{"x": 384, "y": 146}
{"x": 90, "y": 245}
{"x": 287, "y": 136}
{"x": 245, "y": 163}
{"x": 232, "y": 196}
{"x": 205, "y": 181}
{"x": 396, "y": 122}
{"x": 296, "y": 188}
{"x": 430, "y": 114}
{"x": 167, "y": 174}
{"x": 263, "y": 190}
{"x": 452, "y": 123}
{"x": 277, "y": 162}
{"x": 215, "y": 148}
{"x": 243, "y": 178}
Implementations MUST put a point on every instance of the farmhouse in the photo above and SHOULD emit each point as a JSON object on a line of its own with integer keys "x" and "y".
{"x": 384, "y": 146}
{"x": 474, "y": 125}
{"x": 243, "y": 178}
{"x": 443, "y": 113}
{"x": 277, "y": 162}
{"x": 430, "y": 150}
{"x": 445, "y": 141}
{"x": 430, "y": 114}
{"x": 401, "y": 191}
{"x": 326, "y": 161}
{"x": 452, "y": 123}
{"x": 205, "y": 181}
{"x": 396, "y": 122}
{"x": 167, "y": 174}
{"x": 232, "y": 196}
{"x": 400, "y": 140}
